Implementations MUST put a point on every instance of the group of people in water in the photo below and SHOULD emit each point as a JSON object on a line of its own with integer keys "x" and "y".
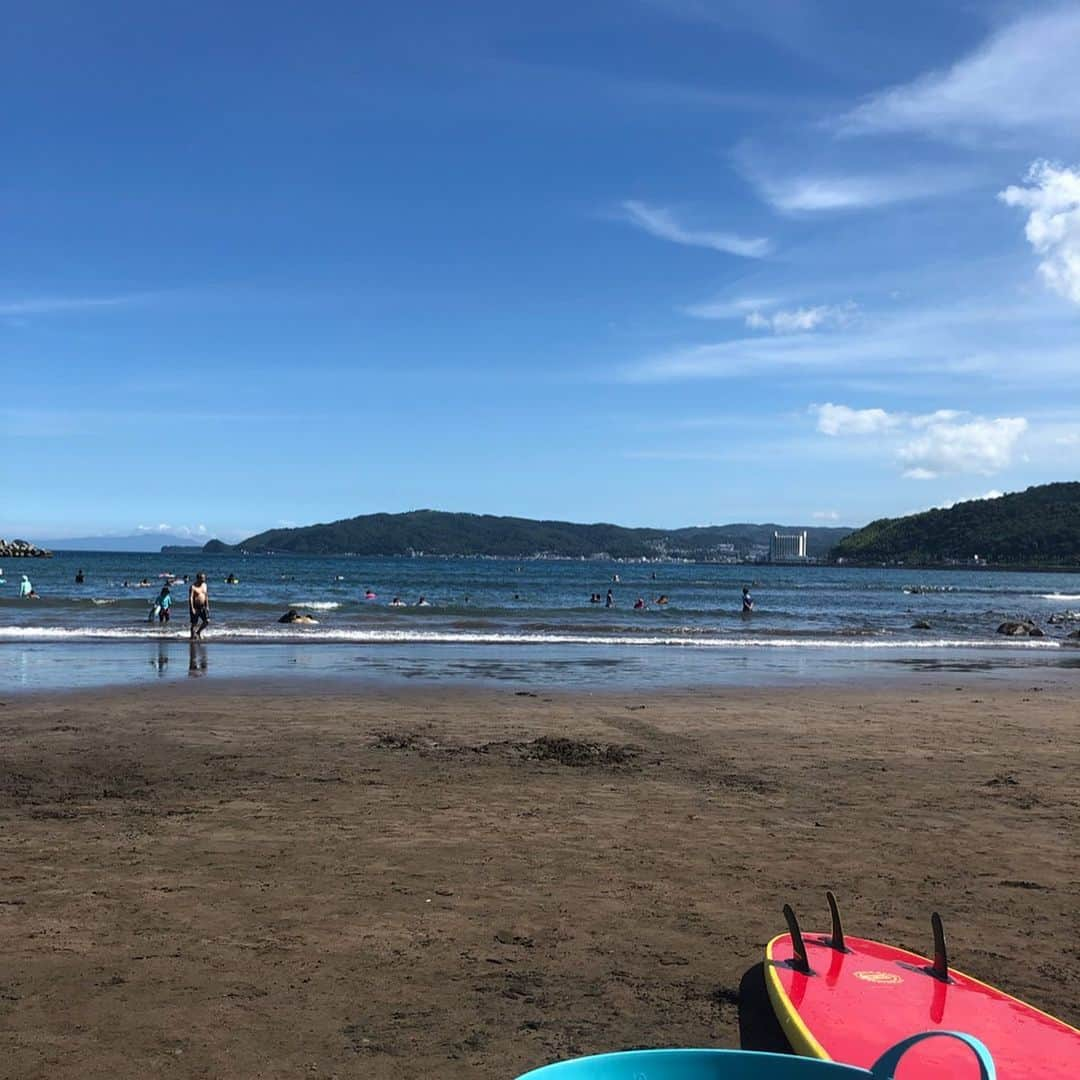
{"x": 198, "y": 605}
{"x": 639, "y": 604}
{"x": 661, "y": 601}
{"x": 199, "y": 599}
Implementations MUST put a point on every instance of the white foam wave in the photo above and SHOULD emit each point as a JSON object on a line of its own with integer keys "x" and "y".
{"x": 95, "y": 600}
{"x": 436, "y": 637}
{"x": 316, "y": 605}
{"x": 1059, "y": 596}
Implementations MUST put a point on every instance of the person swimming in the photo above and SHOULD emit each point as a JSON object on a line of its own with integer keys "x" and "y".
{"x": 423, "y": 602}
{"x": 610, "y": 601}
{"x": 397, "y": 602}
{"x": 232, "y": 579}
{"x": 79, "y": 577}
{"x": 369, "y": 594}
{"x": 639, "y": 603}
{"x": 662, "y": 599}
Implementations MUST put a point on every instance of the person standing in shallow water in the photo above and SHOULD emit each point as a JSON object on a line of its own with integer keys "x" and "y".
{"x": 199, "y": 606}
{"x": 164, "y": 602}
{"x": 747, "y": 601}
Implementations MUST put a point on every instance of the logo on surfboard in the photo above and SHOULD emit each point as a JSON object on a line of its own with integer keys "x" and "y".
{"x": 879, "y": 978}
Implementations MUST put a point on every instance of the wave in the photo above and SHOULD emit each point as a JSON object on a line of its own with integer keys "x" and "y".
{"x": 311, "y": 605}
{"x": 433, "y": 637}
{"x": 1059, "y": 596}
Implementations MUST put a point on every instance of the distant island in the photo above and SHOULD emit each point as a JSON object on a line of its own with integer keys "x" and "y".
{"x": 146, "y": 541}
{"x": 436, "y": 532}
{"x": 1037, "y": 528}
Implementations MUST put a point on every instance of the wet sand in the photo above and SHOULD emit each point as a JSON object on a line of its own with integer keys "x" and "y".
{"x": 228, "y": 881}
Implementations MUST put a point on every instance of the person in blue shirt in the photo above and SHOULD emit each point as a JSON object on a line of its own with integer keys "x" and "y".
{"x": 164, "y": 602}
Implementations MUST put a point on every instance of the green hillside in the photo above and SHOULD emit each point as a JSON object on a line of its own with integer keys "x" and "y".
{"x": 1037, "y": 527}
{"x": 436, "y": 532}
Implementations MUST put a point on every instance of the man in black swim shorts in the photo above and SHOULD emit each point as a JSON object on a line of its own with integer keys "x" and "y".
{"x": 199, "y": 606}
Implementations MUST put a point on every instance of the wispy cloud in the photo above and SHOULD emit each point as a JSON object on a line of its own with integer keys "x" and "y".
{"x": 1017, "y": 343}
{"x": 49, "y": 305}
{"x": 660, "y": 221}
{"x": 188, "y": 532}
{"x": 1052, "y": 196}
{"x": 803, "y": 319}
{"x": 934, "y": 444}
{"x": 809, "y": 194}
{"x": 1024, "y": 77}
{"x": 763, "y": 313}
{"x": 738, "y": 308}
{"x": 993, "y": 493}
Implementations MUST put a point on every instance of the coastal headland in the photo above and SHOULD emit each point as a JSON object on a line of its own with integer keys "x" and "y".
{"x": 240, "y": 880}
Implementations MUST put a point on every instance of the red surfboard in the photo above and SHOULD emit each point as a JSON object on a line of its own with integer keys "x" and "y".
{"x": 848, "y": 1000}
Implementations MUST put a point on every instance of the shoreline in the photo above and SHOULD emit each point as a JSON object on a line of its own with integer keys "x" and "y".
{"x": 244, "y": 880}
{"x": 32, "y": 667}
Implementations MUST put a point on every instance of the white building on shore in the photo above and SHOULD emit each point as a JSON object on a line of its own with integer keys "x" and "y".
{"x": 788, "y": 547}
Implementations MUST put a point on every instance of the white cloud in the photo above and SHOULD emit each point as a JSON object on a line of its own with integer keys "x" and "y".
{"x": 843, "y": 420}
{"x": 49, "y": 305}
{"x": 826, "y": 515}
{"x": 729, "y": 309}
{"x": 941, "y": 416}
{"x": 1026, "y": 76}
{"x": 1053, "y": 225}
{"x": 803, "y": 319}
{"x": 935, "y": 444}
{"x": 661, "y": 222}
{"x": 817, "y": 194}
{"x": 185, "y": 531}
{"x": 975, "y": 446}
{"x": 993, "y": 493}
{"x": 1010, "y": 342}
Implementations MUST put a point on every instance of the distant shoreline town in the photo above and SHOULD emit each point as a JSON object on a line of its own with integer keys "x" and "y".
{"x": 1034, "y": 530}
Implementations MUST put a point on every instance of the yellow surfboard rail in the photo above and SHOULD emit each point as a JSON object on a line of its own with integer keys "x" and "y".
{"x": 795, "y": 1031}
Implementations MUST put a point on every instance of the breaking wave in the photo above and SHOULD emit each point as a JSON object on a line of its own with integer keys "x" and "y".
{"x": 426, "y": 637}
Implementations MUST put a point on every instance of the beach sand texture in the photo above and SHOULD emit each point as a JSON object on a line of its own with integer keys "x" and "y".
{"x": 232, "y": 881}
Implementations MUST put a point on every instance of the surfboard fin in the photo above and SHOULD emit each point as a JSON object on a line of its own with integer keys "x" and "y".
{"x": 799, "y": 960}
{"x": 836, "y": 939}
{"x": 939, "y": 969}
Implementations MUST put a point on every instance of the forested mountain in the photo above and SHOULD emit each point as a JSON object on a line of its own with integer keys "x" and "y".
{"x": 436, "y": 532}
{"x": 1036, "y": 527}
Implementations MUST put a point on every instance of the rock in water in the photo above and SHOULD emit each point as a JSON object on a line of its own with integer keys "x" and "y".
{"x": 920, "y": 624}
{"x": 294, "y": 616}
{"x": 1023, "y": 628}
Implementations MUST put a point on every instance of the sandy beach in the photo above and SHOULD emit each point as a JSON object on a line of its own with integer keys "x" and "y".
{"x": 238, "y": 881}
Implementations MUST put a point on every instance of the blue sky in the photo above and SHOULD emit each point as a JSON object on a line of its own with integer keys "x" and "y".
{"x": 653, "y": 261}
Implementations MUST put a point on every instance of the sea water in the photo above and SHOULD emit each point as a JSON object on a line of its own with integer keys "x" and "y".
{"x": 528, "y": 620}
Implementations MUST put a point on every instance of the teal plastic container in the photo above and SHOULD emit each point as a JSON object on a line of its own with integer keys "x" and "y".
{"x": 743, "y": 1064}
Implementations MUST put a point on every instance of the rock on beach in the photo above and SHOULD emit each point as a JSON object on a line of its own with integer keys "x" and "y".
{"x": 20, "y": 549}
